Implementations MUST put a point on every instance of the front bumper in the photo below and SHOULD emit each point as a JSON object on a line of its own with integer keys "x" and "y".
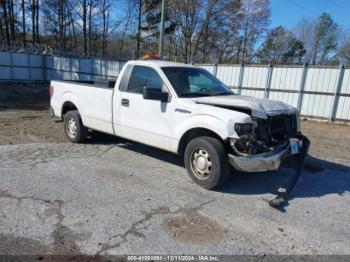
{"x": 261, "y": 162}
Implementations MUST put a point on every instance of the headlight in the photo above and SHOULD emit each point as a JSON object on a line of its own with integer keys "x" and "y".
{"x": 242, "y": 129}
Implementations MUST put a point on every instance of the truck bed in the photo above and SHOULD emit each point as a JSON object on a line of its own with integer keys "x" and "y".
{"x": 93, "y": 100}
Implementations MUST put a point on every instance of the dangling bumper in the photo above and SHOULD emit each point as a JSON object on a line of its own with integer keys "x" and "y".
{"x": 263, "y": 162}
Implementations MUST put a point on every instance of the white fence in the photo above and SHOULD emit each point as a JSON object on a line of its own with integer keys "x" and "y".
{"x": 317, "y": 91}
{"x": 320, "y": 92}
{"x": 20, "y": 66}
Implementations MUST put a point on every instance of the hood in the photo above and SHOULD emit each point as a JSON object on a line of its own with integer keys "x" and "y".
{"x": 259, "y": 107}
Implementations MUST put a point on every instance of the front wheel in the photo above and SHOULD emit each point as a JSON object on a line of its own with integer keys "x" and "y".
{"x": 74, "y": 129}
{"x": 207, "y": 162}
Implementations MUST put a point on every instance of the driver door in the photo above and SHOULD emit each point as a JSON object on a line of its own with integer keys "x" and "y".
{"x": 145, "y": 121}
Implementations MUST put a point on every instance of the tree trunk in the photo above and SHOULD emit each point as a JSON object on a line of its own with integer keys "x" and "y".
{"x": 33, "y": 21}
{"x": 90, "y": 28}
{"x": 12, "y": 20}
{"x": 7, "y": 31}
{"x": 72, "y": 22}
{"x": 106, "y": 34}
{"x": 23, "y": 23}
{"x": 37, "y": 22}
{"x": 84, "y": 27}
{"x": 128, "y": 17}
{"x": 244, "y": 46}
{"x": 104, "y": 28}
{"x": 315, "y": 51}
{"x": 139, "y": 17}
{"x": 1, "y": 29}
{"x": 61, "y": 26}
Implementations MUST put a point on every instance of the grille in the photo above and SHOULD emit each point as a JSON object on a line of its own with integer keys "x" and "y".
{"x": 276, "y": 129}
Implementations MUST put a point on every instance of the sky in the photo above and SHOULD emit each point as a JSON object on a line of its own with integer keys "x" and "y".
{"x": 288, "y": 12}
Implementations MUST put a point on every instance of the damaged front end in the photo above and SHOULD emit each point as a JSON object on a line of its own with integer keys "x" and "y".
{"x": 264, "y": 144}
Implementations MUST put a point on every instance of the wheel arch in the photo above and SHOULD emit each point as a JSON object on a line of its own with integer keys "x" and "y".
{"x": 68, "y": 101}
{"x": 68, "y": 106}
{"x": 197, "y": 132}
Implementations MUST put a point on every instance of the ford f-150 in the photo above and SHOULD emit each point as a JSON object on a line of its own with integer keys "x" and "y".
{"x": 185, "y": 110}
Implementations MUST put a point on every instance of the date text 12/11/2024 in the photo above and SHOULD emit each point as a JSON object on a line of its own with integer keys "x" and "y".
{"x": 173, "y": 258}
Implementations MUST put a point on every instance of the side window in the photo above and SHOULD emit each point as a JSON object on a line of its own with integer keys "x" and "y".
{"x": 143, "y": 76}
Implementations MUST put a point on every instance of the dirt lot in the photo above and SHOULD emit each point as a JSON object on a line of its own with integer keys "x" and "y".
{"x": 114, "y": 197}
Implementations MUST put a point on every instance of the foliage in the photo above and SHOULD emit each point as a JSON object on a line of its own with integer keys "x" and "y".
{"x": 281, "y": 47}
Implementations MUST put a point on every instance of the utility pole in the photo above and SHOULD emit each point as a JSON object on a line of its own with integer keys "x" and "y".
{"x": 161, "y": 37}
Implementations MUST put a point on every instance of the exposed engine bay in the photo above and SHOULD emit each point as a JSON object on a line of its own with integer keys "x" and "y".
{"x": 264, "y": 135}
{"x": 273, "y": 123}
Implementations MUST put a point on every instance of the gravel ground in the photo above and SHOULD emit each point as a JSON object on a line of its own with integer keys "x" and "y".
{"x": 112, "y": 196}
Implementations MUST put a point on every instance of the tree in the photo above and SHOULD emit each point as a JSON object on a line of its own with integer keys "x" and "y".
{"x": 34, "y": 8}
{"x": 281, "y": 47}
{"x": 147, "y": 14}
{"x": 84, "y": 18}
{"x": 206, "y": 25}
{"x": 151, "y": 26}
{"x": 6, "y": 20}
{"x": 105, "y": 25}
{"x": 138, "y": 5}
{"x": 86, "y": 11}
{"x": 1, "y": 27}
{"x": 343, "y": 52}
{"x": 222, "y": 40}
{"x": 255, "y": 15}
{"x": 23, "y": 22}
{"x": 187, "y": 15}
{"x": 325, "y": 38}
{"x": 207, "y": 31}
{"x": 57, "y": 17}
{"x": 127, "y": 21}
{"x": 12, "y": 19}
{"x": 105, "y": 9}
{"x": 320, "y": 38}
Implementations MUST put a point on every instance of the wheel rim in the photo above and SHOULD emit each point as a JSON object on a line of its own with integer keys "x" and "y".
{"x": 201, "y": 163}
{"x": 72, "y": 128}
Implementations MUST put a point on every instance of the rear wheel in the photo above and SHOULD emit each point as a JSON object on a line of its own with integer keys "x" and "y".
{"x": 206, "y": 162}
{"x": 74, "y": 129}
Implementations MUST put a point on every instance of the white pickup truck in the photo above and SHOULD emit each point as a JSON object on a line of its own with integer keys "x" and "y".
{"x": 185, "y": 110}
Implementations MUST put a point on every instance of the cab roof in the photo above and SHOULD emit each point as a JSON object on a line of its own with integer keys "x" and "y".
{"x": 159, "y": 63}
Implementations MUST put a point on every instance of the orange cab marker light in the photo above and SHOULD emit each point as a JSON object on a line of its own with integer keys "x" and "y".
{"x": 150, "y": 56}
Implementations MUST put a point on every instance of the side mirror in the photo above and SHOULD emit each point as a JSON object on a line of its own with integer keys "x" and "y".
{"x": 155, "y": 93}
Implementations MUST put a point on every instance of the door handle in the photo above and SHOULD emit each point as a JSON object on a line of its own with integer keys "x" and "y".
{"x": 125, "y": 102}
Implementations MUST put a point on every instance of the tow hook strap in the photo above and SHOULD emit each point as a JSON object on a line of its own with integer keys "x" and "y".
{"x": 283, "y": 193}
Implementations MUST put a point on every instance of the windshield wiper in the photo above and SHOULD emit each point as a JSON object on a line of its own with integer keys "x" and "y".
{"x": 225, "y": 93}
{"x": 206, "y": 94}
{"x": 195, "y": 94}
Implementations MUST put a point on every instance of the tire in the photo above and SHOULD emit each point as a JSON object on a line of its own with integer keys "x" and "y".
{"x": 207, "y": 162}
{"x": 74, "y": 129}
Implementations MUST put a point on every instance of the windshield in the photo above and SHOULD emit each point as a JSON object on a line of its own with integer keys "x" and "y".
{"x": 194, "y": 82}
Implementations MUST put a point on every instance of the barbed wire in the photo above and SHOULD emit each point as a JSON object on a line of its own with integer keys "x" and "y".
{"x": 29, "y": 48}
